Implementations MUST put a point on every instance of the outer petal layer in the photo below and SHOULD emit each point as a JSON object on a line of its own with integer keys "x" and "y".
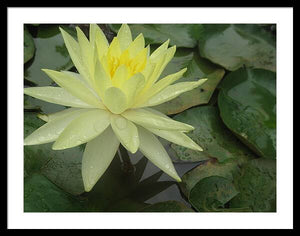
{"x": 56, "y": 115}
{"x": 74, "y": 52}
{"x": 155, "y": 152}
{"x": 56, "y": 95}
{"x": 172, "y": 92}
{"x": 50, "y": 131}
{"x": 126, "y": 132}
{"x": 75, "y": 86}
{"x": 177, "y": 137}
{"x": 97, "y": 156}
{"x": 124, "y": 36}
{"x": 83, "y": 129}
{"x": 150, "y": 120}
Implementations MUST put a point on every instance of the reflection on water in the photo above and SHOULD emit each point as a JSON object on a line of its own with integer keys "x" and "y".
{"x": 172, "y": 192}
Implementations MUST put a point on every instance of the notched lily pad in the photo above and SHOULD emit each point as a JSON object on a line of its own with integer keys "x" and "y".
{"x": 247, "y": 103}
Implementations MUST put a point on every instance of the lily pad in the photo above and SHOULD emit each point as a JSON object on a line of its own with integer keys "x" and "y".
{"x": 197, "y": 68}
{"x": 212, "y": 193}
{"x": 181, "y": 35}
{"x": 207, "y": 169}
{"x": 211, "y": 134}
{"x": 210, "y": 186}
{"x": 51, "y": 53}
{"x": 29, "y": 47}
{"x": 40, "y": 195}
{"x": 257, "y": 186}
{"x": 247, "y": 103}
{"x": 235, "y": 45}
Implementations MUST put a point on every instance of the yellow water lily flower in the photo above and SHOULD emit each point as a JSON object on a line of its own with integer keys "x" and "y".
{"x": 109, "y": 102}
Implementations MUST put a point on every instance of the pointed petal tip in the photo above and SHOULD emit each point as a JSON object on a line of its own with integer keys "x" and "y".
{"x": 87, "y": 188}
{"x": 43, "y": 117}
{"x": 200, "y": 149}
{"x": 57, "y": 146}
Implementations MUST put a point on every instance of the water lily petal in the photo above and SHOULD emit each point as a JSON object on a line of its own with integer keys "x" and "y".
{"x": 152, "y": 77}
{"x": 97, "y": 156}
{"x": 50, "y": 131}
{"x": 74, "y": 52}
{"x": 159, "y": 51}
{"x": 148, "y": 70}
{"x": 126, "y": 132}
{"x": 120, "y": 76}
{"x": 87, "y": 53}
{"x": 140, "y": 60}
{"x": 169, "y": 55}
{"x": 136, "y": 46}
{"x": 124, "y": 36}
{"x": 98, "y": 40}
{"x": 132, "y": 87}
{"x": 150, "y": 120}
{"x": 177, "y": 137}
{"x": 102, "y": 80}
{"x": 159, "y": 86}
{"x": 80, "y": 77}
{"x": 56, "y": 95}
{"x": 172, "y": 92}
{"x": 115, "y": 100}
{"x": 83, "y": 129}
{"x": 166, "y": 81}
{"x": 155, "y": 152}
{"x": 114, "y": 50}
{"x": 74, "y": 86}
{"x": 56, "y": 115}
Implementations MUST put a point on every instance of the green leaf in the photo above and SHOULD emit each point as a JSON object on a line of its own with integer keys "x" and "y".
{"x": 181, "y": 35}
{"x": 167, "y": 206}
{"x": 235, "y": 45}
{"x": 247, "y": 103}
{"x": 257, "y": 186}
{"x": 29, "y": 47}
{"x": 211, "y": 134}
{"x": 40, "y": 195}
{"x": 51, "y": 53}
{"x": 197, "y": 68}
{"x": 212, "y": 193}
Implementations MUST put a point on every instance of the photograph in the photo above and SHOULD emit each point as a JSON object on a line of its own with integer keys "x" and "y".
{"x": 150, "y": 118}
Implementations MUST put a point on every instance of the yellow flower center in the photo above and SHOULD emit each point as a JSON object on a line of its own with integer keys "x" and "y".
{"x": 133, "y": 64}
